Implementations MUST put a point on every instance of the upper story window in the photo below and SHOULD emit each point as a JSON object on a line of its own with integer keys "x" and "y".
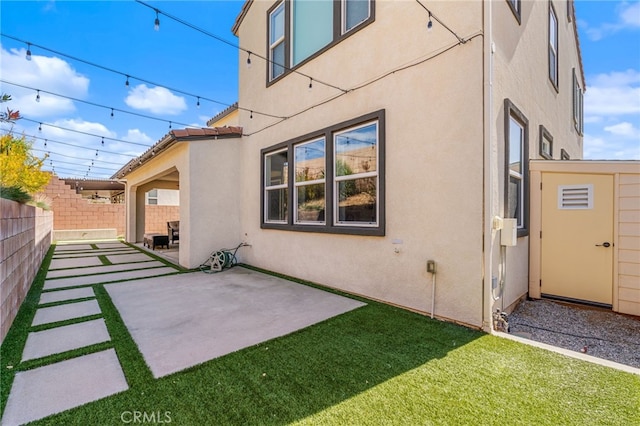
{"x": 516, "y": 8}
{"x": 553, "y": 46}
{"x": 546, "y": 143}
{"x": 276, "y": 42}
{"x": 301, "y": 29}
{"x": 336, "y": 183}
{"x": 516, "y": 166}
{"x": 578, "y": 104}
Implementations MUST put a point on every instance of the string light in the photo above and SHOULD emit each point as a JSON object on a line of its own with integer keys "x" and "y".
{"x": 126, "y": 83}
{"x": 27, "y": 56}
{"x": 102, "y": 141}
{"x": 39, "y": 127}
{"x": 144, "y": 80}
{"x": 248, "y": 59}
{"x": 430, "y": 23}
{"x": 251, "y": 115}
{"x": 169, "y": 125}
{"x": 38, "y": 97}
{"x": 310, "y": 83}
{"x": 45, "y": 143}
{"x": 198, "y": 103}
{"x": 156, "y": 24}
{"x": 93, "y": 103}
{"x": 112, "y": 113}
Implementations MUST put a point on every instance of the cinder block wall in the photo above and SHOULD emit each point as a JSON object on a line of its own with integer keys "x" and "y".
{"x": 156, "y": 218}
{"x": 25, "y": 236}
{"x": 71, "y": 211}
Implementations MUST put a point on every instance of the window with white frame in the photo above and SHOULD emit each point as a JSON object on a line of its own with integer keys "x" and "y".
{"x": 152, "y": 197}
{"x": 354, "y": 12}
{"x": 516, "y": 166}
{"x": 553, "y": 46}
{"x": 515, "y": 6}
{"x": 300, "y": 29}
{"x": 546, "y": 143}
{"x": 310, "y": 165}
{"x": 276, "y": 42}
{"x": 578, "y": 104}
{"x": 356, "y": 175}
{"x": 276, "y": 186}
{"x": 337, "y": 185}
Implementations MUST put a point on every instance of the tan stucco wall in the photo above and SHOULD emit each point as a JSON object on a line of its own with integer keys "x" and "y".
{"x": 208, "y": 184}
{"x": 626, "y": 244}
{"x": 518, "y": 71}
{"x": 434, "y": 149}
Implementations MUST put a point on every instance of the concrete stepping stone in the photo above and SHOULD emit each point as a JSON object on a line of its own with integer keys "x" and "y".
{"x": 73, "y": 263}
{"x": 111, "y": 245}
{"x": 65, "y": 247}
{"x": 104, "y": 268}
{"x": 94, "y": 253}
{"x": 67, "y": 384}
{"x": 62, "y": 295}
{"x": 61, "y": 339}
{"x": 128, "y": 258}
{"x": 66, "y": 312}
{"x": 105, "y": 278}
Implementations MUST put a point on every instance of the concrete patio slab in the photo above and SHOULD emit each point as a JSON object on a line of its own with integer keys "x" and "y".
{"x": 66, "y": 312}
{"x": 150, "y": 263}
{"x": 61, "y": 339}
{"x": 58, "y": 387}
{"x": 187, "y": 319}
{"x": 61, "y": 295}
{"x": 135, "y": 256}
{"x": 106, "y": 278}
{"x": 73, "y": 263}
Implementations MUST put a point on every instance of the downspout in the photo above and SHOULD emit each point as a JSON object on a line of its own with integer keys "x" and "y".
{"x": 488, "y": 172}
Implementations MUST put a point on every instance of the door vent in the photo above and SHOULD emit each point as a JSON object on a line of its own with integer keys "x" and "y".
{"x": 575, "y": 197}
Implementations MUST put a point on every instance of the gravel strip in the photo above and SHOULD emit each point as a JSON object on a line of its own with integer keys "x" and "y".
{"x": 597, "y": 332}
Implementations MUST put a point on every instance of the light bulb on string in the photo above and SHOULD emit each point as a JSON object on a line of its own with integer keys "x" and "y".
{"x": 96, "y": 152}
{"x": 310, "y": 83}
{"x": 27, "y": 56}
{"x": 40, "y": 127}
{"x": 169, "y": 125}
{"x": 156, "y": 23}
{"x": 248, "y": 59}
{"x": 430, "y": 23}
{"x": 45, "y": 143}
{"x": 38, "y": 96}
{"x": 102, "y": 141}
{"x": 112, "y": 113}
{"x": 198, "y": 102}
{"x": 126, "y": 83}
{"x": 251, "y": 115}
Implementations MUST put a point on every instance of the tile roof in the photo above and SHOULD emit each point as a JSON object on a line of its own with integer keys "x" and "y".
{"x": 207, "y": 131}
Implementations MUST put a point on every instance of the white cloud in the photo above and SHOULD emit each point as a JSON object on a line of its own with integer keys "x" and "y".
{"x": 628, "y": 19}
{"x": 624, "y": 129}
{"x": 41, "y": 73}
{"x": 615, "y": 93}
{"x": 630, "y": 15}
{"x": 608, "y": 147}
{"x": 157, "y": 100}
{"x": 135, "y": 135}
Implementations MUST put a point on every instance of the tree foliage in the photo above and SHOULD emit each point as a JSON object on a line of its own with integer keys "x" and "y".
{"x": 19, "y": 168}
{"x": 10, "y": 116}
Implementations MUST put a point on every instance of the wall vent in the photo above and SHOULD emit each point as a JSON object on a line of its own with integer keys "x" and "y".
{"x": 575, "y": 197}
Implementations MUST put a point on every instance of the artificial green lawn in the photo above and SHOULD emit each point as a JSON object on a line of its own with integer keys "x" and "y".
{"x": 374, "y": 365}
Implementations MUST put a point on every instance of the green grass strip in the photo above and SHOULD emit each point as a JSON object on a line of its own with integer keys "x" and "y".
{"x": 13, "y": 343}
{"x": 105, "y": 261}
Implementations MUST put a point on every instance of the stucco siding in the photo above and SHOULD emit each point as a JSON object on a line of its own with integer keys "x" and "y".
{"x": 433, "y": 160}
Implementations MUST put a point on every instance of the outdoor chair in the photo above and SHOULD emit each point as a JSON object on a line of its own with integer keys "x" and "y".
{"x": 173, "y": 229}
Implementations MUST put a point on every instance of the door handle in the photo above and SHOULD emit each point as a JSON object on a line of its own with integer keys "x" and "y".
{"x": 605, "y": 244}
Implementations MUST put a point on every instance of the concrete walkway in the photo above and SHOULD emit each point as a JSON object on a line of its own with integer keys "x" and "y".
{"x": 177, "y": 321}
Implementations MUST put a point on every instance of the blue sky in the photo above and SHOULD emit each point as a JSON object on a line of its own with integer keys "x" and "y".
{"x": 170, "y": 68}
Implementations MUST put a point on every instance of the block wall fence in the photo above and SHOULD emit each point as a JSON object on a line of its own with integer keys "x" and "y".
{"x": 72, "y": 212}
{"x": 25, "y": 236}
